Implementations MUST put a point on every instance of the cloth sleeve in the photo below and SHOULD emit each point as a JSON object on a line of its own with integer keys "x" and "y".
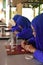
{"x": 38, "y": 55}
{"x": 25, "y": 34}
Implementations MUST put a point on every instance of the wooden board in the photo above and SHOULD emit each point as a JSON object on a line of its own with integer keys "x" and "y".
{"x": 17, "y": 49}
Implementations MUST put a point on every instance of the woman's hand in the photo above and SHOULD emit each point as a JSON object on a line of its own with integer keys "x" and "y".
{"x": 30, "y": 48}
{"x": 23, "y": 44}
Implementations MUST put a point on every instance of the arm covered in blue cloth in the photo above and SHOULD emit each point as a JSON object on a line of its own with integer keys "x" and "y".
{"x": 25, "y": 34}
{"x": 38, "y": 55}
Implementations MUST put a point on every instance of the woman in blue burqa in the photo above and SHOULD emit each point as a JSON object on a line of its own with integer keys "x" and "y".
{"x": 37, "y": 27}
{"x": 22, "y": 27}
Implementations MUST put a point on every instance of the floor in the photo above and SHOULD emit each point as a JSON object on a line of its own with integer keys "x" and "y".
{"x": 14, "y": 59}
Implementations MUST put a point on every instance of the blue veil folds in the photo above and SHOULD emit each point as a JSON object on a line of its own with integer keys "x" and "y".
{"x": 23, "y": 22}
{"x": 16, "y": 17}
{"x": 37, "y": 23}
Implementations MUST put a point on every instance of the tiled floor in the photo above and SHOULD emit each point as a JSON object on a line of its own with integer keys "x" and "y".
{"x": 14, "y": 59}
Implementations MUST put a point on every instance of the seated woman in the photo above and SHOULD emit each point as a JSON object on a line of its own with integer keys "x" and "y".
{"x": 37, "y": 27}
{"x": 22, "y": 29}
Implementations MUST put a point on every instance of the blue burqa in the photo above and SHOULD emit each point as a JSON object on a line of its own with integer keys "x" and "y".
{"x": 26, "y": 31}
{"x": 37, "y": 23}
